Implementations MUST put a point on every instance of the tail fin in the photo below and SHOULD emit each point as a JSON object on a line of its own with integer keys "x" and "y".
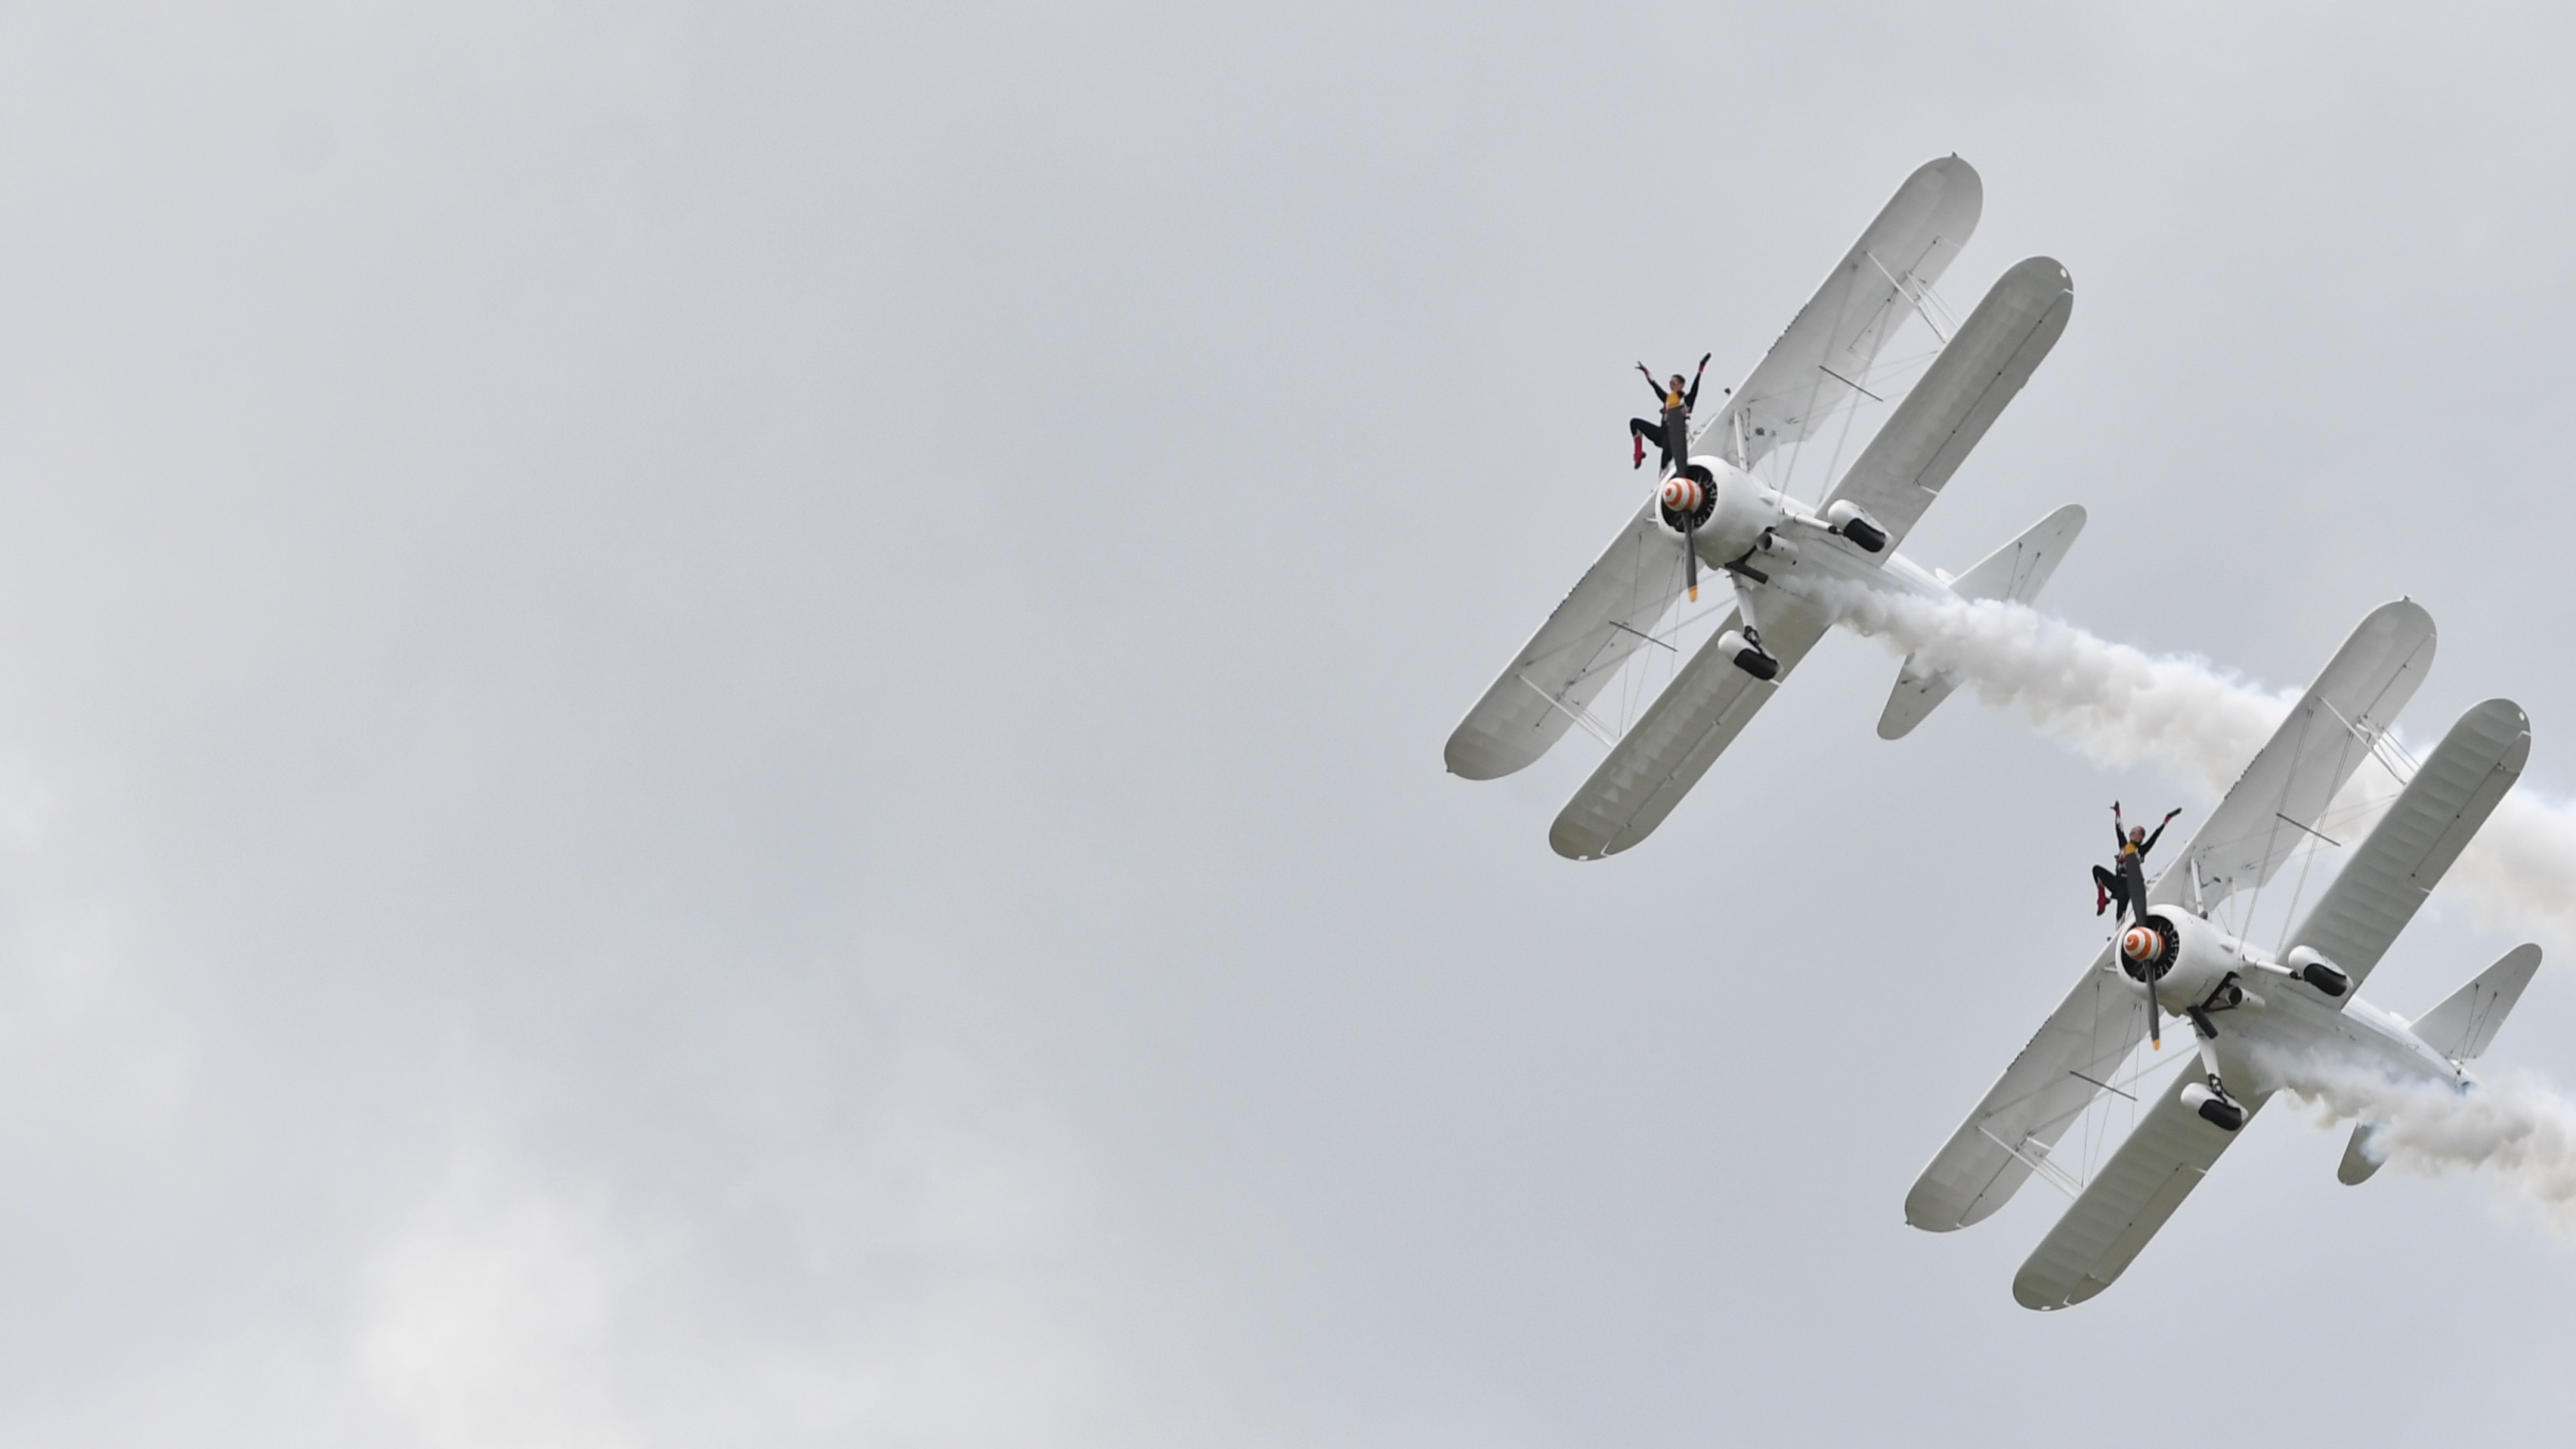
{"x": 2466, "y": 1021}
{"x": 2015, "y": 572}
{"x": 2460, "y": 1028}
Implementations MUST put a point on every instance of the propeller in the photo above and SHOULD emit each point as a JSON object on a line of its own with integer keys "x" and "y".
{"x": 1690, "y": 548}
{"x": 2142, "y": 944}
{"x": 1683, "y": 494}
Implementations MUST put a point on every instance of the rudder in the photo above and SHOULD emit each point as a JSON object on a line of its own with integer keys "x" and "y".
{"x": 2466, "y": 1021}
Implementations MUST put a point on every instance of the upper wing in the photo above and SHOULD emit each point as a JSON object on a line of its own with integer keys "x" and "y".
{"x": 2275, "y": 803}
{"x": 1693, "y": 721}
{"x": 2133, "y": 1194}
{"x": 1837, "y": 336}
{"x": 2380, "y": 888}
{"x": 1563, "y": 667}
{"x": 1924, "y": 440}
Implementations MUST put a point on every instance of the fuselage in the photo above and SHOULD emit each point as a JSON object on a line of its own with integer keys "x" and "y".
{"x": 1772, "y": 540}
{"x": 2269, "y": 1019}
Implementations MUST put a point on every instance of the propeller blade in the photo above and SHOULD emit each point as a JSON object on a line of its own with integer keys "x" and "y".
{"x": 2155, "y": 1008}
{"x": 2140, "y": 945}
{"x": 1690, "y": 552}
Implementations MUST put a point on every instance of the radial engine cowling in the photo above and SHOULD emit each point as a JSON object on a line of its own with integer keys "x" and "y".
{"x": 2187, "y": 957}
{"x": 1728, "y": 508}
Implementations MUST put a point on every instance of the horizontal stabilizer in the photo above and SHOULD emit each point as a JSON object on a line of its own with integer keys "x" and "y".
{"x": 2466, "y": 1021}
{"x": 2014, "y": 573}
{"x": 1919, "y": 690}
{"x": 2017, "y": 571}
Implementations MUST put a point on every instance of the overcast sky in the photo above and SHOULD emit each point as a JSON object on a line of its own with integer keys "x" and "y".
{"x": 721, "y": 724}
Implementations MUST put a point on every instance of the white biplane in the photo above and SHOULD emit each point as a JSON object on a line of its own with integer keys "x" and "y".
{"x": 2254, "y": 1016}
{"x": 1776, "y": 551}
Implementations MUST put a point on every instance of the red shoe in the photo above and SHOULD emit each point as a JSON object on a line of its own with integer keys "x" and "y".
{"x": 2101, "y": 899}
{"x": 1638, "y": 461}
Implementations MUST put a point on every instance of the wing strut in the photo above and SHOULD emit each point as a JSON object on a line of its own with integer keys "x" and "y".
{"x": 2045, "y": 1170}
{"x": 1909, "y": 295}
{"x": 1583, "y": 717}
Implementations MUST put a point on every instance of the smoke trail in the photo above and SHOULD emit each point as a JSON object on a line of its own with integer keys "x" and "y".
{"x": 2520, "y": 871}
{"x": 2515, "y": 1126}
{"x": 2118, "y": 705}
{"x": 2115, "y": 704}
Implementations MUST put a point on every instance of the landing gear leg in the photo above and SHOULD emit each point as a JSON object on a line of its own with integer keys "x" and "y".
{"x": 1746, "y": 643}
{"x": 2212, "y": 1102}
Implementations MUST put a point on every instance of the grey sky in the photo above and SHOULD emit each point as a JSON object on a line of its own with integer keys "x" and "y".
{"x": 722, "y": 724}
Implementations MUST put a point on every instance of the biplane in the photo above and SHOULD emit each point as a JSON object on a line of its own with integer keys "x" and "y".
{"x": 2256, "y": 1017}
{"x": 1781, "y": 557}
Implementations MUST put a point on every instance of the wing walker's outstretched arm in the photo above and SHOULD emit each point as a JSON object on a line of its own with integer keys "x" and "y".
{"x": 2159, "y": 832}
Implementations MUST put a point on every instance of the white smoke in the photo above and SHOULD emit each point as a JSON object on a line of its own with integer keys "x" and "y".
{"x": 2517, "y": 1127}
{"x": 2114, "y": 703}
{"x": 2118, "y": 705}
{"x": 2520, "y": 871}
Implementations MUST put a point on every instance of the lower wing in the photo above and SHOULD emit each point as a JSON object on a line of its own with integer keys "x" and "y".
{"x": 2044, "y": 1090}
{"x": 2127, "y": 1201}
{"x": 1689, "y": 725}
{"x": 1563, "y": 667}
